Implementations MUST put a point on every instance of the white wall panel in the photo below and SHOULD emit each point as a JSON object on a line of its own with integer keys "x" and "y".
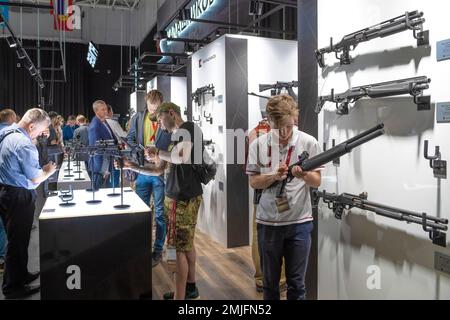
{"x": 392, "y": 168}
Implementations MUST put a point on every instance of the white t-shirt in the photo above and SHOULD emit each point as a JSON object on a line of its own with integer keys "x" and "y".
{"x": 264, "y": 158}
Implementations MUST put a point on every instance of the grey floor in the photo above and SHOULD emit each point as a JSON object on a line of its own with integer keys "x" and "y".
{"x": 33, "y": 249}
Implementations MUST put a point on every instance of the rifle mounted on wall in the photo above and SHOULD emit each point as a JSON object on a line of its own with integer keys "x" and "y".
{"x": 412, "y": 86}
{"x": 338, "y": 203}
{"x": 409, "y": 21}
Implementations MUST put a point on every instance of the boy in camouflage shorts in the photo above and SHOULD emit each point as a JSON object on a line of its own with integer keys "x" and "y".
{"x": 185, "y": 222}
{"x": 183, "y": 196}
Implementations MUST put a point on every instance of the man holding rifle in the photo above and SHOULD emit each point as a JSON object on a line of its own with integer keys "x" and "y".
{"x": 284, "y": 215}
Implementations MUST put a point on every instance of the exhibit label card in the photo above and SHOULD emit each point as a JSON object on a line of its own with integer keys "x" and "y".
{"x": 443, "y": 50}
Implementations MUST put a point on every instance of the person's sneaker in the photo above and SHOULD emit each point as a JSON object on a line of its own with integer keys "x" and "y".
{"x": 156, "y": 258}
{"x": 23, "y": 292}
{"x": 32, "y": 277}
{"x": 190, "y": 295}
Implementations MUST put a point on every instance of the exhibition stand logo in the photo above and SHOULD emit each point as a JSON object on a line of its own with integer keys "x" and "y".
{"x": 202, "y": 62}
{"x": 195, "y": 11}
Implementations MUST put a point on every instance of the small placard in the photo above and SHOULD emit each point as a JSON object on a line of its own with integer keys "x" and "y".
{"x": 220, "y": 99}
{"x": 443, "y": 112}
{"x": 48, "y": 211}
{"x": 442, "y": 263}
{"x": 443, "y": 50}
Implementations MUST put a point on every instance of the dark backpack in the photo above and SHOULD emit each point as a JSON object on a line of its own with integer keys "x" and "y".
{"x": 207, "y": 170}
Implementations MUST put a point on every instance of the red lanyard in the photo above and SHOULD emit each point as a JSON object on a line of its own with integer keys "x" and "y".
{"x": 288, "y": 158}
{"x": 155, "y": 129}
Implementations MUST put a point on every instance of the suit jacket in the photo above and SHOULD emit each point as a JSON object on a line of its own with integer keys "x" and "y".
{"x": 136, "y": 132}
{"x": 97, "y": 131}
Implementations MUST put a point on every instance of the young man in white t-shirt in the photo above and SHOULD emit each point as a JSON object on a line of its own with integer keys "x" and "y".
{"x": 284, "y": 215}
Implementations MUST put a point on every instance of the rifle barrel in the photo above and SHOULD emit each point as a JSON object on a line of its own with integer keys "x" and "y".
{"x": 342, "y": 149}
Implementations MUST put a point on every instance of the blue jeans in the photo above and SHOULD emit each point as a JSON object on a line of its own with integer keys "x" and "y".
{"x": 292, "y": 242}
{"x": 99, "y": 181}
{"x": 116, "y": 176}
{"x": 2, "y": 240}
{"x": 145, "y": 187}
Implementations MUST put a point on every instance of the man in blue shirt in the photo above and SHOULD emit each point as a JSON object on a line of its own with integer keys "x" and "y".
{"x": 7, "y": 118}
{"x": 20, "y": 175}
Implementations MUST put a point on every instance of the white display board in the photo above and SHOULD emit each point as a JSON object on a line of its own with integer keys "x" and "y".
{"x": 367, "y": 256}
{"x": 178, "y": 93}
{"x": 64, "y": 183}
{"x": 53, "y": 210}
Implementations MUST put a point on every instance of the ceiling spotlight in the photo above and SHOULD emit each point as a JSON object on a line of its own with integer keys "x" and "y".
{"x": 11, "y": 42}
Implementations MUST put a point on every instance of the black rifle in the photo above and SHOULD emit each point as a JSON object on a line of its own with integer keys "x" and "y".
{"x": 199, "y": 95}
{"x": 136, "y": 153}
{"x": 409, "y": 21}
{"x": 338, "y": 203}
{"x": 309, "y": 164}
{"x": 279, "y": 86}
{"x": 413, "y": 86}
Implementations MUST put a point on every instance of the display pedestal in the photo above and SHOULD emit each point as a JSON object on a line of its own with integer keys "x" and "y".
{"x": 95, "y": 251}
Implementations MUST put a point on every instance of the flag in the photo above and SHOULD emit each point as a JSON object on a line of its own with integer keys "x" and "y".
{"x": 4, "y": 10}
{"x": 62, "y": 10}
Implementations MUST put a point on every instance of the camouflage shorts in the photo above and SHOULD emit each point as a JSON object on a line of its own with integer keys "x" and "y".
{"x": 186, "y": 220}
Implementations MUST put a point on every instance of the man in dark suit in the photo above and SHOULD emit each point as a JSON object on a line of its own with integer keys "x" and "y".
{"x": 99, "y": 130}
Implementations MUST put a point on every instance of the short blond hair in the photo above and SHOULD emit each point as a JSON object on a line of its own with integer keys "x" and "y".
{"x": 81, "y": 119}
{"x": 281, "y": 108}
{"x": 154, "y": 96}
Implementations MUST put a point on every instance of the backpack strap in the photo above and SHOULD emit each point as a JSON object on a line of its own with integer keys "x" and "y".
{"x": 7, "y": 134}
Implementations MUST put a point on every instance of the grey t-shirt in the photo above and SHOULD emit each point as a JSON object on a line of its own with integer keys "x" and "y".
{"x": 297, "y": 192}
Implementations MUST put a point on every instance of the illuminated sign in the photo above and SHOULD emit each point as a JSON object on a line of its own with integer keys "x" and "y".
{"x": 92, "y": 55}
{"x": 197, "y": 9}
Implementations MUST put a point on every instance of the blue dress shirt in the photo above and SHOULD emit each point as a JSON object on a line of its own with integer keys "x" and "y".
{"x": 19, "y": 159}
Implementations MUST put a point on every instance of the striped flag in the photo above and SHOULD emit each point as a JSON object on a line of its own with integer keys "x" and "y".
{"x": 62, "y": 10}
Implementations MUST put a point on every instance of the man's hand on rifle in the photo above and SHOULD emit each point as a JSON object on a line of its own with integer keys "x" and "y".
{"x": 298, "y": 172}
{"x": 281, "y": 173}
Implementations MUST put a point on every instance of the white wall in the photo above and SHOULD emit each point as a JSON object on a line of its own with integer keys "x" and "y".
{"x": 392, "y": 168}
{"x": 212, "y": 217}
{"x": 178, "y": 92}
